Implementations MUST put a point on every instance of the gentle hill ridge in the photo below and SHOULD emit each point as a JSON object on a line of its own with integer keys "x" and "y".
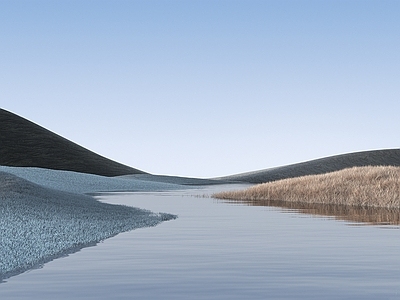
{"x": 26, "y": 144}
{"x": 386, "y": 157}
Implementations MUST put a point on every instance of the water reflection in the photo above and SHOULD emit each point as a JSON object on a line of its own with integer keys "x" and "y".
{"x": 40, "y": 264}
{"x": 362, "y": 215}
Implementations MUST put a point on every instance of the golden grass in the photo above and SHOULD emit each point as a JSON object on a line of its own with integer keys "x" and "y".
{"x": 358, "y": 186}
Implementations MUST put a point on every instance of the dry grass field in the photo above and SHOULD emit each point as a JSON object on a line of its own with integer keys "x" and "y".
{"x": 377, "y": 186}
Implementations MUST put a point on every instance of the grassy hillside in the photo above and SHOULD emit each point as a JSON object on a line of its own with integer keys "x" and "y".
{"x": 25, "y": 144}
{"x": 377, "y": 186}
{"x": 387, "y": 157}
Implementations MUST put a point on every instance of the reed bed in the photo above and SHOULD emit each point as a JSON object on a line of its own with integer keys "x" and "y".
{"x": 371, "y": 186}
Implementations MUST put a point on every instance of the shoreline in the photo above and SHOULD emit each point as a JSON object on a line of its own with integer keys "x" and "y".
{"x": 40, "y": 223}
{"x": 357, "y": 186}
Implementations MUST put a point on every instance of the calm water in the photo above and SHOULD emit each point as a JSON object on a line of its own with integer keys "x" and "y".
{"x": 217, "y": 250}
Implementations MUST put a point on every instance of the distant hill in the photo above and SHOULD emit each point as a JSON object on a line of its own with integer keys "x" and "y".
{"x": 26, "y": 144}
{"x": 387, "y": 157}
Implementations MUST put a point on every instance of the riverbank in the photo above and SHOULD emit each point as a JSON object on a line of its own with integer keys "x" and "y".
{"x": 358, "y": 186}
{"x": 46, "y": 214}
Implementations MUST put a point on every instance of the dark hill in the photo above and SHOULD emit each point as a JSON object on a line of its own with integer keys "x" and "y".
{"x": 387, "y": 157}
{"x": 26, "y": 144}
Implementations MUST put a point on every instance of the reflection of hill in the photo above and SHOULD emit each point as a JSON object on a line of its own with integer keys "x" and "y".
{"x": 369, "y": 216}
{"x": 388, "y": 157}
{"x": 25, "y": 144}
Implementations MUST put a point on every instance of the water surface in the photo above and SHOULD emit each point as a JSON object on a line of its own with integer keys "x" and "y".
{"x": 220, "y": 250}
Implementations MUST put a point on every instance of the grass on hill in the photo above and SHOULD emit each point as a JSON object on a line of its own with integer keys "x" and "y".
{"x": 384, "y": 157}
{"x": 377, "y": 186}
{"x": 26, "y": 144}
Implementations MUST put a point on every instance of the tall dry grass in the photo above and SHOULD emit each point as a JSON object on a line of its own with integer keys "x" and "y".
{"x": 358, "y": 186}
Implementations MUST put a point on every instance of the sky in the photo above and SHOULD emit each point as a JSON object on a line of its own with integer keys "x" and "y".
{"x": 206, "y": 88}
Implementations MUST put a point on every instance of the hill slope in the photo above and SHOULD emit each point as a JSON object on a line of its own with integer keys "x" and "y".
{"x": 26, "y": 144}
{"x": 388, "y": 157}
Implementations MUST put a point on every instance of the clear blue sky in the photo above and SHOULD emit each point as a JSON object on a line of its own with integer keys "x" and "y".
{"x": 206, "y": 88}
